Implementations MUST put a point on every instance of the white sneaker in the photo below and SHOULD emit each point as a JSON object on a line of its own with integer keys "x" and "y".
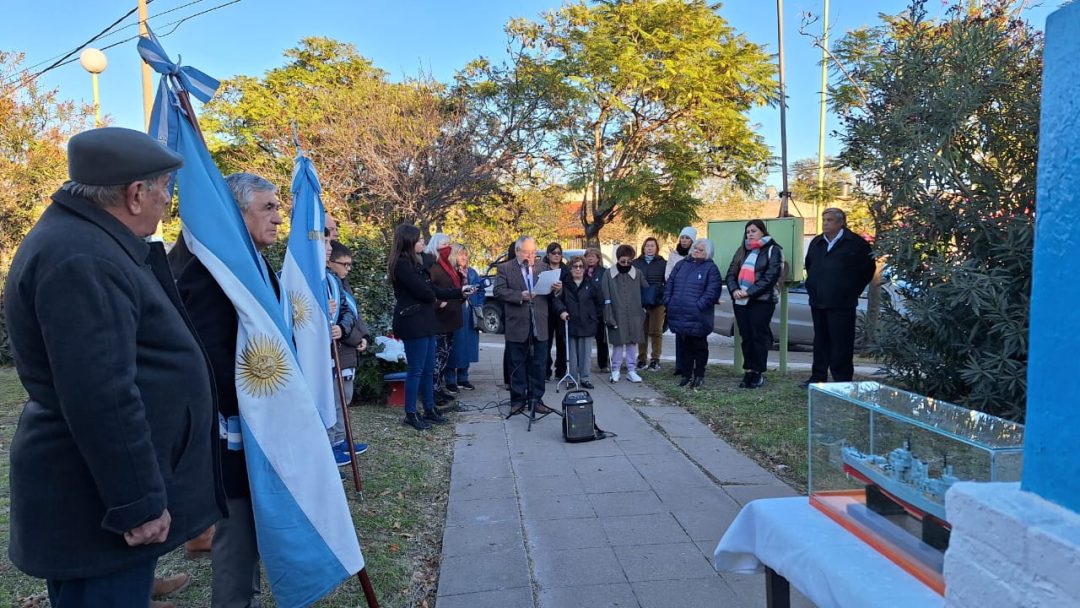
{"x": 615, "y": 376}
{"x": 633, "y": 376}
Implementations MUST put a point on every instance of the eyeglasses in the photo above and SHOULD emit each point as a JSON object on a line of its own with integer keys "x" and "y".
{"x": 343, "y": 264}
{"x": 577, "y": 267}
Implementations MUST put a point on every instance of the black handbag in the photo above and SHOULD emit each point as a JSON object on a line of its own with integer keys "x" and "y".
{"x": 651, "y": 296}
{"x": 477, "y": 316}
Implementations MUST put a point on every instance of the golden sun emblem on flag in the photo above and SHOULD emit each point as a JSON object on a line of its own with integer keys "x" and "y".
{"x": 301, "y": 309}
{"x": 262, "y": 367}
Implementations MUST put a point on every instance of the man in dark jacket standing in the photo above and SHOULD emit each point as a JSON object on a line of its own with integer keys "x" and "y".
{"x": 235, "y": 552}
{"x": 111, "y": 465}
{"x": 839, "y": 265}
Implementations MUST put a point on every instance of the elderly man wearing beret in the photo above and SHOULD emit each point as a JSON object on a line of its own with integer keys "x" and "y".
{"x": 111, "y": 465}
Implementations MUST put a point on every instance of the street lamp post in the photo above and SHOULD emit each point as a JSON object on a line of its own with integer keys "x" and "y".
{"x": 94, "y": 61}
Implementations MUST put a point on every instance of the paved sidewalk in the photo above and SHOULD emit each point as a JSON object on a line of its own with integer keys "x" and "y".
{"x": 628, "y": 521}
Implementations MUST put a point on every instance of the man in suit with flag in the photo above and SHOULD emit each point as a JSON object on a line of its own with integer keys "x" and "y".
{"x": 235, "y": 552}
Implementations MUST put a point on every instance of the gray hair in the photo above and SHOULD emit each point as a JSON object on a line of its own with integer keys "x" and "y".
{"x": 245, "y": 185}
{"x": 102, "y": 196}
{"x": 457, "y": 250}
{"x": 708, "y": 246}
{"x": 836, "y": 212}
{"x": 437, "y": 240}
{"x": 518, "y": 244}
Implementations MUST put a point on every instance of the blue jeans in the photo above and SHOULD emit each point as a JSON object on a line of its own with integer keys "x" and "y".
{"x": 420, "y": 353}
{"x": 457, "y": 375}
{"x": 129, "y": 587}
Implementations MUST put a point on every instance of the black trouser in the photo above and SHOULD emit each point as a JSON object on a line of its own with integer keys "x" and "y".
{"x": 601, "y": 345}
{"x": 754, "y": 318}
{"x": 834, "y": 344}
{"x": 695, "y": 354}
{"x": 679, "y": 353}
{"x": 556, "y": 330}
{"x": 526, "y": 370}
{"x": 444, "y": 343}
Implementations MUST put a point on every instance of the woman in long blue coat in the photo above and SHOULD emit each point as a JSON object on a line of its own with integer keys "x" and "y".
{"x": 466, "y": 349}
{"x": 690, "y": 297}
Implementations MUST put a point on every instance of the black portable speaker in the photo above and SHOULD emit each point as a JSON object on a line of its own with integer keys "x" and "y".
{"x": 579, "y": 422}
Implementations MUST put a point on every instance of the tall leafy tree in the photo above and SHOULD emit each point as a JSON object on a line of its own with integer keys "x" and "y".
{"x": 940, "y": 120}
{"x": 386, "y": 152}
{"x": 34, "y": 126}
{"x": 641, "y": 100}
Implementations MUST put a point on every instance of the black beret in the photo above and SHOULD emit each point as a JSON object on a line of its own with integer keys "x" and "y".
{"x": 113, "y": 156}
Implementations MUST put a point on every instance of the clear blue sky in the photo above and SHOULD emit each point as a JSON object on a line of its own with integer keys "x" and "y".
{"x": 399, "y": 36}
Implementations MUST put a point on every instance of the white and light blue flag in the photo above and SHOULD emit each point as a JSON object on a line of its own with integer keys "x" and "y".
{"x": 307, "y": 540}
{"x": 303, "y": 278}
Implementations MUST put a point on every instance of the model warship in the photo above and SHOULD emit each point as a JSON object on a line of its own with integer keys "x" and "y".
{"x": 903, "y": 477}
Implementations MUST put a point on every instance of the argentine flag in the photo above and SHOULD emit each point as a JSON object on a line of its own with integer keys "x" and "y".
{"x": 305, "y": 532}
{"x": 303, "y": 278}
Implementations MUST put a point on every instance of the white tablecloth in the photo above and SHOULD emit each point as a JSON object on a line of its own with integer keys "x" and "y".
{"x": 825, "y": 562}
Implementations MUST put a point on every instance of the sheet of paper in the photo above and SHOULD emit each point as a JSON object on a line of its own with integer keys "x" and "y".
{"x": 545, "y": 281}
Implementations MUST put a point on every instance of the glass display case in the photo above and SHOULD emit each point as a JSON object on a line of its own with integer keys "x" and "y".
{"x": 881, "y": 460}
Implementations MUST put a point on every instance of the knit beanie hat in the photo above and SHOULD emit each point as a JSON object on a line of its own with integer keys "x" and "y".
{"x": 689, "y": 231}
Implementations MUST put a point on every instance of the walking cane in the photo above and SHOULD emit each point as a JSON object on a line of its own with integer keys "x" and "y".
{"x": 568, "y": 377}
{"x": 345, "y": 418}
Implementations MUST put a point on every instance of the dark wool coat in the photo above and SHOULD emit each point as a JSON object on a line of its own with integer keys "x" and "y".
{"x": 584, "y": 303}
{"x": 834, "y": 279}
{"x": 509, "y": 283}
{"x": 623, "y": 314}
{"x": 448, "y": 318}
{"x": 120, "y": 415}
{"x": 414, "y": 311}
{"x": 693, "y": 287}
{"x": 768, "y": 270}
{"x": 214, "y": 317}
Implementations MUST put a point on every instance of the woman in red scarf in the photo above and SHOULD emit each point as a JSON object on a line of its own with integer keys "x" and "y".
{"x": 447, "y": 312}
{"x": 756, "y": 267}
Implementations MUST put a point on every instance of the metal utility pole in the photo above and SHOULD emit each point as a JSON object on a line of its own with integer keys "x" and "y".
{"x": 147, "y": 88}
{"x": 785, "y": 194}
{"x": 821, "y": 121}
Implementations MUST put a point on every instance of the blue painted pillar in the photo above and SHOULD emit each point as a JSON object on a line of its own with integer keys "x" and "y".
{"x": 1052, "y": 434}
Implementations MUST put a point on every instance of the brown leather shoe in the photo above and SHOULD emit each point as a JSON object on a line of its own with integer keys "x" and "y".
{"x": 543, "y": 409}
{"x": 516, "y": 408}
{"x": 199, "y": 547}
{"x": 170, "y": 585}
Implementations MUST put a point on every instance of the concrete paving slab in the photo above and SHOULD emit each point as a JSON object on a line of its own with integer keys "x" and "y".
{"x": 518, "y": 597}
{"x": 651, "y": 529}
{"x": 483, "y": 538}
{"x": 557, "y": 485}
{"x": 472, "y": 512}
{"x": 481, "y": 469}
{"x": 543, "y": 507}
{"x": 676, "y": 561}
{"x": 703, "y": 593}
{"x": 614, "y": 595}
{"x": 577, "y": 567}
{"x": 490, "y": 571}
{"x": 707, "y": 524}
{"x": 545, "y": 467}
{"x": 615, "y": 504}
{"x": 479, "y": 489}
{"x": 558, "y": 534}
{"x": 684, "y": 426}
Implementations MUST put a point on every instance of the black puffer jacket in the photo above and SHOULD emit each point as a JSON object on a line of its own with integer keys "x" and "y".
{"x": 768, "y": 270}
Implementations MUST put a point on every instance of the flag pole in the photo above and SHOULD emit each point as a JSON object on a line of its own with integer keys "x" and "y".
{"x": 345, "y": 418}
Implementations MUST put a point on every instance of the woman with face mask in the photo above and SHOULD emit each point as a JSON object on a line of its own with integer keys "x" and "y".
{"x": 752, "y": 277}
{"x": 623, "y": 314}
{"x": 691, "y": 293}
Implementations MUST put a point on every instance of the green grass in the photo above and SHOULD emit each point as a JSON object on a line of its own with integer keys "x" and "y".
{"x": 406, "y": 478}
{"x": 766, "y": 424}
